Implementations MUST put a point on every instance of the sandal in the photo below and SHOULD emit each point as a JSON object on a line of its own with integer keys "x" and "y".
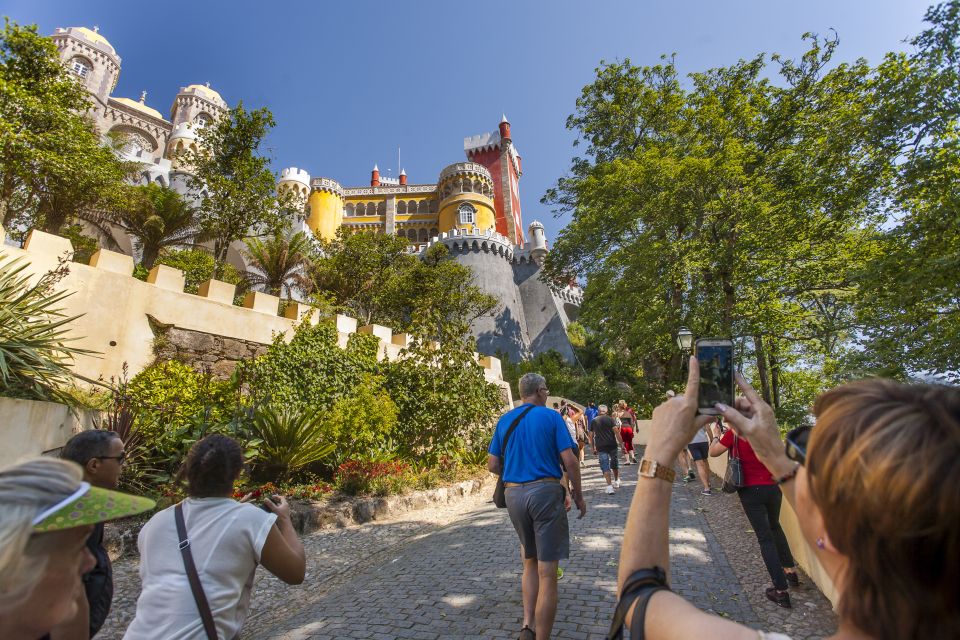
{"x": 527, "y": 634}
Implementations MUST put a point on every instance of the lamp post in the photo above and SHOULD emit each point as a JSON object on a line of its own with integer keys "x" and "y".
{"x": 685, "y": 340}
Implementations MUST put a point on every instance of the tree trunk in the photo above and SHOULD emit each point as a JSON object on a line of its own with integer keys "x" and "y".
{"x": 762, "y": 367}
{"x": 775, "y": 376}
{"x": 149, "y": 257}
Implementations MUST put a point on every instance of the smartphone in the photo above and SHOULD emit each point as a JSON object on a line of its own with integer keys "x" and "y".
{"x": 715, "y": 356}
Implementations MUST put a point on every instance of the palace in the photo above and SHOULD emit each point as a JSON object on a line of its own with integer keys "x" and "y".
{"x": 473, "y": 207}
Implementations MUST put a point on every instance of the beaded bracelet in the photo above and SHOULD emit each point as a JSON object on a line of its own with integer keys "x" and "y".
{"x": 789, "y": 476}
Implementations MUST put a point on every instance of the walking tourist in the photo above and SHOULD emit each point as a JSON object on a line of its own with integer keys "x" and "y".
{"x": 536, "y": 496}
{"x": 761, "y": 497}
{"x": 590, "y": 413}
{"x": 686, "y": 461}
{"x": 874, "y": 485}
{"x": 605, "y": 441}
{"x": 698, "y": 449}
{"x": 227, "y": 540}
{"x": 47, "y": 513}
{"x": 628, "y": 422}
{"x": 580, "y": 422}
{"x": 101, "y": 455}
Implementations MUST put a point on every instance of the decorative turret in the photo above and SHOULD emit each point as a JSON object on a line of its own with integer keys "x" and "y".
{"x": 325, "y": 207}
{"x": 403, "y": 177}
{"x": 538, "y": 241}
{"x": 504, "y": 128}
{"x": 295, "y": 181}
{"x": 91, "y": 57}
{"x": 466, "y": 198}
{"x": 375, "y": 176}
{"x": 197, "y": 104}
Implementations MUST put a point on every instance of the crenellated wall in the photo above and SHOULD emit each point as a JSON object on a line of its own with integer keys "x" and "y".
{"x": 120, "y": 315}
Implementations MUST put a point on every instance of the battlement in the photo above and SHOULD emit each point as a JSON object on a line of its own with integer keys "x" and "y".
{"x": 328, "y": 185}
{"x": 114, "y": 309}
{"x": 481, "y": 142}
{"x": 465, "y": 168}
{"x": 293, "y": 174}
{"x": 488, "y": 241}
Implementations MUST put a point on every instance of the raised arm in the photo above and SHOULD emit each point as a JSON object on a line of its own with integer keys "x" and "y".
{"x": 646, "y": 537}
{"x": 282, "y": 553}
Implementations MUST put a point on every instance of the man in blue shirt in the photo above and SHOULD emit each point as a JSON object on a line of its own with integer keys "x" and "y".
{"x": 537, "y": 496}
{"x": 590, "y": 412}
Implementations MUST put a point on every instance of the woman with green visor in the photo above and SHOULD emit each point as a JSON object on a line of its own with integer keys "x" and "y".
{"x": 46, "y": 514}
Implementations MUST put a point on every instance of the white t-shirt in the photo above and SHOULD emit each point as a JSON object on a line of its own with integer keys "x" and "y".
{"x": 700, "y": 436}
{"x": 571, "y": 427}
{"x": 226, "y": 538}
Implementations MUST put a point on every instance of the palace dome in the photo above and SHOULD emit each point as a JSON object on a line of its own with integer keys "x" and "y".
{"x": 93, "y": 36}
{"x": 139, "y": 106}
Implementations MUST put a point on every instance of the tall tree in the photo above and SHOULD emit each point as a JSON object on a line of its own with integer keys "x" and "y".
{"x": 729, "y": 205}
{"x": 156, "y": 217}
{"x": 280, "y": 263}
{"x": 233, "y": 183}
{"x": 53, "y": 165}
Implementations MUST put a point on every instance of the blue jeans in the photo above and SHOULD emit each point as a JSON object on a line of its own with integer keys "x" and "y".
{"x": 608, "y": 460}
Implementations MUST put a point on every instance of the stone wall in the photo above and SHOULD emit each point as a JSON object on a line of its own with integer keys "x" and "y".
{"x": 118, "y": 316}
{"x": 207, "y": 352}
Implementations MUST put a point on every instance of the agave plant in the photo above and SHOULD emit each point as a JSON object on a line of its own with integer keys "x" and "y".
{"x": 34, "y": 354}
{"x": 290, "y": 440}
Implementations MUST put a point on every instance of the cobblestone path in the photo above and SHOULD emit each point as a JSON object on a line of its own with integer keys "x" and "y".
{"x": 454, "y": 572}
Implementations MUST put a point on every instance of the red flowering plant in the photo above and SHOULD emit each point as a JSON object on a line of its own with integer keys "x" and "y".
{"x": 313, "y": 490}
{"x": 360, "y": 477}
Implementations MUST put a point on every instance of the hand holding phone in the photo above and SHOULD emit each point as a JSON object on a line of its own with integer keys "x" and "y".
{"x": 715, "y": 356}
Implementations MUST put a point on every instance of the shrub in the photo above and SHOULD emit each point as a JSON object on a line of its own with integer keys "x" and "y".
{"x": 362, "y": 477}
{"x": 311, "y": 371}
{"x": 363, "y": 421}
{"x": 289, "y": 439}
{"x": 34, "y": 354}
{"x": 197, "y": 266}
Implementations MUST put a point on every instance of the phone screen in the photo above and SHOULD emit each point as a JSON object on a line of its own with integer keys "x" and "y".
{"x": 716, "y": 376}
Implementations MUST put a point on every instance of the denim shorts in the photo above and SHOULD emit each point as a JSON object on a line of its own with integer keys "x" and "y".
{"x": 608, "y": 460}
{"x": 699, "y": 450}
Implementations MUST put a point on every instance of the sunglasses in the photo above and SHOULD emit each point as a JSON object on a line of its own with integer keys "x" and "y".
{"x": 796, "y": 443}
{"x": 120, "y": 458}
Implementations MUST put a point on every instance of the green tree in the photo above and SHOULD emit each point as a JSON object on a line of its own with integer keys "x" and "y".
{"x": 53, "y": 165}
{"x": 279, "y": 263}
{"x": 233, "y": 183}
{"x": 197, "y": 266}
{"x": 731, "y": 205}
{"x": 156, "y": 217}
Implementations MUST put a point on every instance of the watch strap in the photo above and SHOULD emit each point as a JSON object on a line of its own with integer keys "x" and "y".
{"x": 653, "y": 469}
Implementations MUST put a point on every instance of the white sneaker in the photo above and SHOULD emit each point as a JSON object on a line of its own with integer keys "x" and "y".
{"x": 609, "y": 488}
{"x": 616, "y": 484}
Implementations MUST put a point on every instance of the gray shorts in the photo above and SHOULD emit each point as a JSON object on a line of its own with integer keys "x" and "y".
{"x": 538, "y": 515}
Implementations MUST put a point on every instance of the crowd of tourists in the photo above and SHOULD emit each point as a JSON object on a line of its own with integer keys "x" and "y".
{"x": 873, "y": 483}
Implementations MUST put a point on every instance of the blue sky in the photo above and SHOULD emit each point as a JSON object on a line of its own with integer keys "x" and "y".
{"x": 349, "y": 82}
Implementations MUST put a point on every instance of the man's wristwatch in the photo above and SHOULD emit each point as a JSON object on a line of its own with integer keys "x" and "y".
{"x": 653, "y": 469}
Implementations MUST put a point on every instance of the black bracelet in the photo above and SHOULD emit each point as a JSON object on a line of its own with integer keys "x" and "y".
{"x": 789, "y": 476}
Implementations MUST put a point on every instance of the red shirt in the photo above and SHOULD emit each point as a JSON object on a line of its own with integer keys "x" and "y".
{"x": 754, "y": 473}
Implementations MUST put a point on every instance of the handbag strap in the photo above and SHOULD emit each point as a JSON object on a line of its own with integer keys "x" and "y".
{"x": 506, "y": 436}
{"x": 198, "y": 595}
{"x": 637, "y": 589}
{"x": 734, "y": 450}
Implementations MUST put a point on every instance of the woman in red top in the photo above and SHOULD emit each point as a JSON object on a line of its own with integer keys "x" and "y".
{"x": 761, "y": 498}
{"x": 628, "y": 422}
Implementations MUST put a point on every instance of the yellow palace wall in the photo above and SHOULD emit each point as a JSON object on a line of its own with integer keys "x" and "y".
{"x": 485, "y": 218}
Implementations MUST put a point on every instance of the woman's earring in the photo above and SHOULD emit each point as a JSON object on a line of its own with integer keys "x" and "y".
{"x": 820, "y": 544}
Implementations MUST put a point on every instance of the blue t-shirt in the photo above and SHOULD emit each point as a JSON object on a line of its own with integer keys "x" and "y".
{"x": 591, "y": 413}
{"x": 533, "y": 451}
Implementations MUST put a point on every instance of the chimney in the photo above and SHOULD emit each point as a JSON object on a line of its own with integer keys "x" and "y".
{"x": 403, "y": 176}
{"x": 375, "y": 177}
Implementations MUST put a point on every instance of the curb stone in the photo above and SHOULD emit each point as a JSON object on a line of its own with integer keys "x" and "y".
{"x": 120, "y": 539}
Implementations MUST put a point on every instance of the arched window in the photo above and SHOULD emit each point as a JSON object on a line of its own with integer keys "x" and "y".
{"x": 80, "y": 66}
{"x": 402, "y": 207}
{"x": 412, "y": 235}
{"x": 349, "y": 210}
{"x": 423, "y": 235}
{"x": 434, "y": 232}
{"x": 202, "y": 120}
{"x": 361, "y": 209}
{"x": 382, "y": 208}
{"x": 466, "y": 213}
{"x": 424, "y": 206}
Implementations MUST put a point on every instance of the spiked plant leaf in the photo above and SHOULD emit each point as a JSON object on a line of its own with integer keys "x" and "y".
{"x": 34, "y": 356}
{"x": 290, "y": 440}
{"x": 279, "y": 263}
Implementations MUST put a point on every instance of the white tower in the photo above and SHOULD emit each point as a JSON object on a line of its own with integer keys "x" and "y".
{"x": 538, "y": 241}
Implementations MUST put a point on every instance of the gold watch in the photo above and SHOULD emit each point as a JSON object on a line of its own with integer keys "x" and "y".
{"x": 653, "y": 469}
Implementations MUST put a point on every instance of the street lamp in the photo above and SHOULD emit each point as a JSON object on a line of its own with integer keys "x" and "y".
{"x": 685, "y": 340}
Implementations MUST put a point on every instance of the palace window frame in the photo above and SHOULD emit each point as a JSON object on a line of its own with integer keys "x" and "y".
{"x": 80, "y": 67}
{"x": 467, "y": 213}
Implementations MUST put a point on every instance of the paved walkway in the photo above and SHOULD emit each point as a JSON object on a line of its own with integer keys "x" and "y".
{"x": 454, "y": 573}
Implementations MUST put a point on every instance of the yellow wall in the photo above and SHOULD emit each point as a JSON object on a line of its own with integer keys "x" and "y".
{"x": 485, "y": 219}
{"x": 326, "y": 214}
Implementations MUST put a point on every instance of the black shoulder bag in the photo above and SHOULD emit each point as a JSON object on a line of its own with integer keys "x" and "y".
{"x": 499, "y": 495}
{"x": 733, "y": 478}
{"x": 639, "y": 587}
{"x": 198, "y": 595}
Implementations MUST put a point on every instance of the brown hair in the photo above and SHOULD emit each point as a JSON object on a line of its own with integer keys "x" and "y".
{"x": 212, "y": 466}
{"x": 884, "y": 468}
